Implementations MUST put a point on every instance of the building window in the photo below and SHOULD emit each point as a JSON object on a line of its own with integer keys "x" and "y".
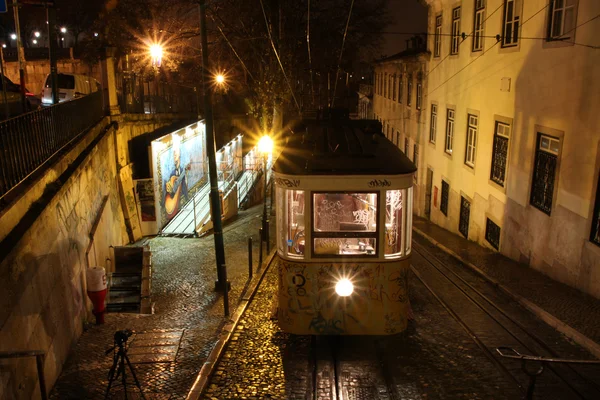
{"x": 389, "y": 96}
{"x": 471, "y": 140}
{"x": 394, "y": 88}
{"x": 419, "y": 95}
{"x": 444, "y": 199}
{"x": 465, "y": 214}
{"x": 449, "y": 130}
{"x": 416, "y": 157}
{"x": 492, "y": 234}
{"x": 478, "y": 20}
{"x": 437, "y": 41}
{"x": 455, "y": 38}
{"x": 433, "y": 123}
{"x": 544, "y": 172}
{"x": 500, "y": 153}
{"x": 562, "y": 19}
{"x": 406, "y": 147}
{"x": 595, "y": 234}
{"x": 512, "y": 20}
{"x": 385, "y": 79}
{"x": 400, "y": 87}
{"x": 409, "y": 93}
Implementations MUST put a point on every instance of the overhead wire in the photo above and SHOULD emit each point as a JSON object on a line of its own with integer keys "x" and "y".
{"x": 232, "y": 48}
{"x": 450, "y": 52}
{"x": 489, "y": 48}
{"x": 337, "y": 70}
{"x": 312, "y": 85}
{"x": 279, "y": 59}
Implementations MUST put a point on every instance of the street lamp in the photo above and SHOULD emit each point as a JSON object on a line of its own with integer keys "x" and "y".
{"x": 265, "y": 147}
{"x": 36, "y": 34}
{"x": 63, "y": 29}
{"x": 13, "y": 36}
{"x": 220, "y": 79}
{"x": 156, "y": 52}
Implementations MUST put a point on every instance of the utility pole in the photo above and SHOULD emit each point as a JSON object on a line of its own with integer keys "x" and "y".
{"x": 51, "y": 18}
{"x": 20, "y": 53}
{"x": 221, "y": 283}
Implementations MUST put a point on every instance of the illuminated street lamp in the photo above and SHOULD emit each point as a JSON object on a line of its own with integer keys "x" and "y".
{"x": 156, "y": 52}
{"x": 13, "y": 36}
{"x": 63, "y": 29}
{"x": 265, "y": 147}
{"x": 34, "y": 41}
{"x": 36, "y": 34}
{"x": 220, "y": 79}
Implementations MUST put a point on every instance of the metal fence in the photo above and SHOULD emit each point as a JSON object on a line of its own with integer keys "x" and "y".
{"x": 28, "y": 140}
{"x": 139, "y": 96}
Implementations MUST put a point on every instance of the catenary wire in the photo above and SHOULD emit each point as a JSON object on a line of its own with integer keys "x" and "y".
{"x": 337, "y": 70}
{"x": 312, "y": 85}
{"x": 278, "y": 59}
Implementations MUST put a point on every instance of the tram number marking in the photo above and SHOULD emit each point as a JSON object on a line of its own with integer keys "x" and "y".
{"x": 379, "y": 183}
{"x": 287, "y": 182}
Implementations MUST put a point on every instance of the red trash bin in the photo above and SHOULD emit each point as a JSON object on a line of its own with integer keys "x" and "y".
{"x": 96, "y": 290}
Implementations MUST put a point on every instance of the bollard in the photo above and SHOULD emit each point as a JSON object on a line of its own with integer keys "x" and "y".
{"x": 250, "y": 257}
{"x": 260, "y": 256}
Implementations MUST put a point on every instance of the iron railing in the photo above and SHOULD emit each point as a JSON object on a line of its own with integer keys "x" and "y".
{"x": 28, "y": 140}
{"x": 138, "y": 96}
{"x": 39, "y": 362}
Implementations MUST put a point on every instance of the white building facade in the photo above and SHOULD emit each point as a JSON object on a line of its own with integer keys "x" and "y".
{"x": 399, "y": 104}
{"x": 513, "y": 130}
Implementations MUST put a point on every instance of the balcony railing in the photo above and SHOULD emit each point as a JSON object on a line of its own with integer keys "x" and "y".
{"x": 28, "y": 140}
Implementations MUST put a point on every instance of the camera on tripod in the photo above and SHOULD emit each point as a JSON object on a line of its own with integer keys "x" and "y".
{"x": 122, "y": 336}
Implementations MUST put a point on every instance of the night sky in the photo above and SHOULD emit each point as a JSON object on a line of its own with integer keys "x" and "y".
{"x": 408, "y": 16}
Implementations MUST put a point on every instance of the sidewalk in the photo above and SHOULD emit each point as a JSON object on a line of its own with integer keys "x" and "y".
{"x": 169, "y": 347}
{"x": 571, "y": 312}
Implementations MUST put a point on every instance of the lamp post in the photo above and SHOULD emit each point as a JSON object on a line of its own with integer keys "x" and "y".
{"x": 222, "y": 283}
{"x": 156, "y": 53}
{"x": 265, "y": 147}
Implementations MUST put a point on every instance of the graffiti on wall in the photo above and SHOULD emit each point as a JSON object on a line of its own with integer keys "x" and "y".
{"x": 308, "y": 303}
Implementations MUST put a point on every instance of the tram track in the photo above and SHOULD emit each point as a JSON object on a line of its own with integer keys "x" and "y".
{"x": 454, "y": 292}
{"x": 350, "y": 368}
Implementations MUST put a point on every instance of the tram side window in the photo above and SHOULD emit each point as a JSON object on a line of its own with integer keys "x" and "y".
{"x": 293, "y": 224}
{"x": 398, "y": 215}
{"x": 344, "y": 224}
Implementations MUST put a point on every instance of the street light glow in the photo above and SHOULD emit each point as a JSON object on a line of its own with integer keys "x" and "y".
{"x": 344, "y": 287}
{"x": 13, "y": 36}
{"x": 156, "y": 52}
{"x": 220, "y": 79}
{"x": 63, "y": 29}
{"x": 265, "y": 145}
{"x": 95, "y": 34}
{"x": 34, "y": 41}
{"x": 36, "y": 34}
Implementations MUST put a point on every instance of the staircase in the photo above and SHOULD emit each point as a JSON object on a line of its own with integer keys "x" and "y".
{"x": 129, "y": 289}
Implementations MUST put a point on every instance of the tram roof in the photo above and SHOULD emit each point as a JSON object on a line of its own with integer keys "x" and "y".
{"x": 341, "y": 147}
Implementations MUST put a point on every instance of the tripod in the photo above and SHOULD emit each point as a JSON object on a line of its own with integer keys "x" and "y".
{"x": 118, "y": 366}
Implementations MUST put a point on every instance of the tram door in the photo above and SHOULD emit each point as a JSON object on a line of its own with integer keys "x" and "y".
{"x": 428, "y": 188}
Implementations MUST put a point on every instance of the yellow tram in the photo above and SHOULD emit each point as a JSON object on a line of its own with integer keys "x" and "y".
{"x": 344, "y": 220}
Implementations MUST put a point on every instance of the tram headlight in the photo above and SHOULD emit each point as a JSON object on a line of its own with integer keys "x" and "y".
{"x": 344, "y": 287}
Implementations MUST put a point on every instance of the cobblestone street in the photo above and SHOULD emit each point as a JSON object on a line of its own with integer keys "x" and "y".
{"x": 185, "y": 305}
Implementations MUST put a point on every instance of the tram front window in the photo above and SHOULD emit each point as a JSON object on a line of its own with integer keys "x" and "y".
{"x": 290, "y": 222}
{"x": 345, "y": 224}
{"x": 398, "y": 215}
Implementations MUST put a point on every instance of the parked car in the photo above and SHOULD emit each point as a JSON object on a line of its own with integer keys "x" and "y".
{"x": 13, "y": 98}
{"x": 70, "y": 86}
{"x": 33, "y": 102}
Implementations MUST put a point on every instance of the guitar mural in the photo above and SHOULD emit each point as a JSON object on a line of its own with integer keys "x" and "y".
{"x": 174, "y": 188}
{"x": 179, "y": 170}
